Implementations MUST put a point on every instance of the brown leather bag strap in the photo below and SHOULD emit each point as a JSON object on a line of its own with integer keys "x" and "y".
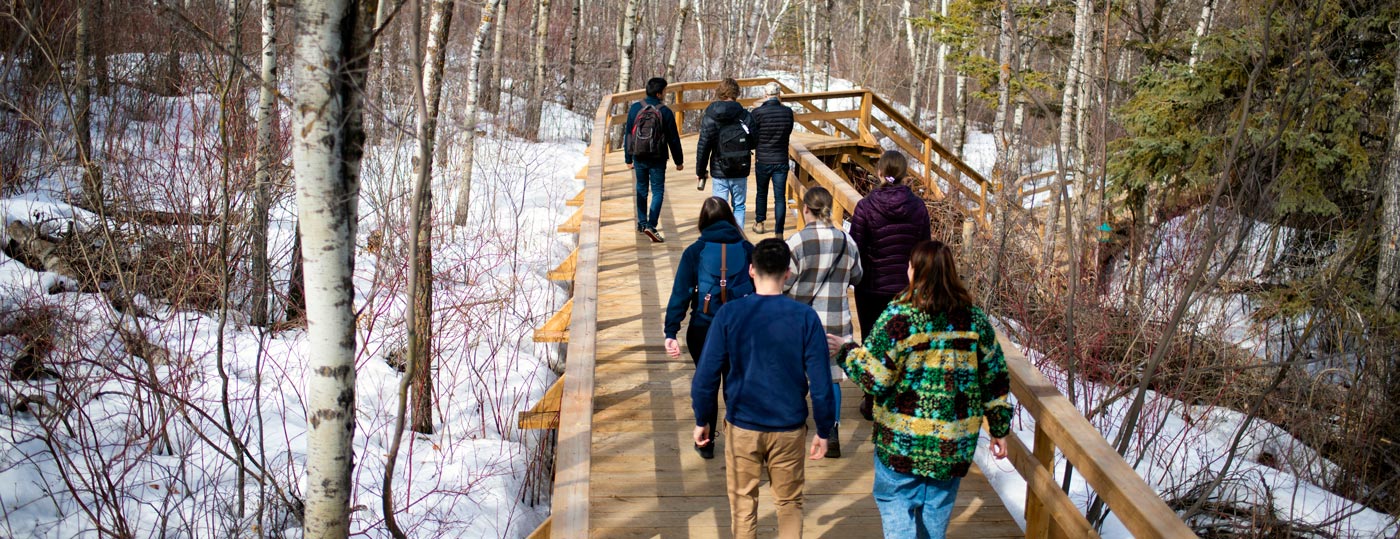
{"x": 723, "y": 273}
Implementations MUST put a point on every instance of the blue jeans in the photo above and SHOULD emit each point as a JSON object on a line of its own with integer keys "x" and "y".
{"x": 913, "y": 506}
{"x": 777, "y": 176}
{"x": 653, "y": 177}
{"x": 735, "y": 191}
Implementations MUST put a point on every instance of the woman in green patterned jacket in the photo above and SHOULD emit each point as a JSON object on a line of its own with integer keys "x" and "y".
{"x": 935, "y": 369}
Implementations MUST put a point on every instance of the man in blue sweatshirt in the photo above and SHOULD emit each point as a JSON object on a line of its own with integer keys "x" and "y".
{"x": 772, "y": 350}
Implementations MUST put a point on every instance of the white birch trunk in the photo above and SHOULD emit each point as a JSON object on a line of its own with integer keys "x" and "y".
{"x": 830, "y": 58}
{"x": 535, "y": 106}
{"x": 942, "y": 72}
{"x": 327, "y": 147}
{"x": 1388, "y": 271}
{"x": 491, "y": 84}
{"x": 677, "y": 37}
{"x": 464, "y": 185}
{"x": 1202, "y": 28}
{"x": 916, "y": 55}
{"x": 1001, "y": 135}
{"x": 262, "y": 176}
{"x": 1067, "y": 116}
{"x": 574, "y": 21}
{"x": 627, "y": 44}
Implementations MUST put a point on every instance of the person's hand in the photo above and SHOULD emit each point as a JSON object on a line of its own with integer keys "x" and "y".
{"x": 834, "y": 343}
{"x": 702, "y": 436}
{"x": 673, "y": 348}
{"x": 680, "y": 167}
{"x": 998, "y": 447}
{"x": 818, "y": 448}
{"x": 629, "y": 166}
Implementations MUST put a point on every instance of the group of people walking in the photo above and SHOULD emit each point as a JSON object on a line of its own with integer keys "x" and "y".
{"x": 770, "y": 326}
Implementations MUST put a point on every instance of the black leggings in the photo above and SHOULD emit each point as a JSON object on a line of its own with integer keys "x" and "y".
{"x": 868, "y": 308}
{"x": 695, "y": 341}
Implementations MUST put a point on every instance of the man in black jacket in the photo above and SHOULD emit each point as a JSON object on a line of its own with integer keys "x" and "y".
{"x": 651, "y": 171}
{"x": 725, "y": 145}
{"x": 772, "y": 125}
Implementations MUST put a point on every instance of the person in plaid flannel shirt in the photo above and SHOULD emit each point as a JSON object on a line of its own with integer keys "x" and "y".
{"x": 825, "y": 261}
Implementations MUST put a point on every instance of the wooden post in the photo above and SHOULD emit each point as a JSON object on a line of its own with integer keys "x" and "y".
{"x": 679, "y": 111}
{"x": 1037, "y": 517}
{"x": 863, "y": 123}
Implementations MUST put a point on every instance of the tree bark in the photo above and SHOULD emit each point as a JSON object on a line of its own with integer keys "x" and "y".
{"x": 420, "y": 345}
{"x": 627, "y": 45}
{"x": 266, "y": 160}
{"x": 1202, "y": 28}
{"x": 82, "y": 105}
{"x": 1388, "y": 270}
{"x": 536, "y": 104}
{"x": 942, "y": 72}
{"x": 572, "y": 76}
{"x": 916, "y": 57}
{"x": 464, "y": 184}
{"x": 333, "y": 42}
{"x": 677, "y": 36}
{"x": 1067, "y": 116}
{"x": 491, "y": 86}
{"x": 1001, "y": 136}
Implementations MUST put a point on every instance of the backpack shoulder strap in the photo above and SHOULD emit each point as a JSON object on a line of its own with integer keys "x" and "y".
{"x": 723, "y": 273}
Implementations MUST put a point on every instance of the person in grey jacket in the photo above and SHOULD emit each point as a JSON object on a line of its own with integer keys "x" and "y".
{"x": 825, "y": 261}
{"x": 772, "y": 127}
{"x": 725, "y": 119}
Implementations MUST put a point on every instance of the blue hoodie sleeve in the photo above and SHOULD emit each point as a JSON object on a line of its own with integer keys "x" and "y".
{"x": 682, "y": 289}
{"x": 814, "y": 355}
{"x": 704, "y": 387}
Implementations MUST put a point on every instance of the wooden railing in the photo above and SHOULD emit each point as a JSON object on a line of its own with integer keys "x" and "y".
{"x": 829, "y": 113}
{"x": 1058, "y": 425}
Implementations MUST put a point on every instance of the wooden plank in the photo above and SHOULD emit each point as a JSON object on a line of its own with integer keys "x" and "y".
{"x": 1139, "y": 508}
{"x": 565, "y": 270}
{"x": 544, "y": 414}
{"x": 542, "y": 532}
{"x": 573, "y": 453}
{"x": 556, "y": 329}
{"x": 576, "y": 201}
{"x": 574, "y": 224}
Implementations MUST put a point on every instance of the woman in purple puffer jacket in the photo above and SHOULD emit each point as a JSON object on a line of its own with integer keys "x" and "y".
{"x": 886, "y": 225}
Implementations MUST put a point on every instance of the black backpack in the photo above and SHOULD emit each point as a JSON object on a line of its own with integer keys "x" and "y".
{"x": 646, "y": 141}
{"x": 733, "y": 150}
{"x": 723, "y": 277}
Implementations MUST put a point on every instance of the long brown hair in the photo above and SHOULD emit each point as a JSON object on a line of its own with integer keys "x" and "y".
{"x": 714, "y": 210}
{"x": 891, "y": 168}
{"x": 935, "y": 286}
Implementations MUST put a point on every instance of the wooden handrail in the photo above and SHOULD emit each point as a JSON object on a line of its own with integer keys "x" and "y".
{"x": 1059, "y": 425}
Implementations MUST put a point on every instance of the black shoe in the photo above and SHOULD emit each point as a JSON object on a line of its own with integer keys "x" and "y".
{"x": 654, "y": 235}
{"x": 833, "y": 444}
{"x": 641, "y": 228}
{"x": 706, "y": 451}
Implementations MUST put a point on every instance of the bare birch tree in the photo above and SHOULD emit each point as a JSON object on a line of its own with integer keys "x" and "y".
{"x": 1068, "y": 106}
{"x": 536, "y": 103}
{"x": 491, "y": 84}
{"x": 1005, "y": 168}
{"x": 627, "y": 44}
{"x": 913, "y": 41}
{"x": 82, "y": 105}
{"x": 464, "y": 183}
{"x": 262, "y": 176}
{"x": 1388, "y": 270}
{"x": 677, "y": 35}
{"x": 332, "y": 43}
{"x": 1202, "y": 28}
{"x": 572, "y": 76}
{"x": 941, "y": 71}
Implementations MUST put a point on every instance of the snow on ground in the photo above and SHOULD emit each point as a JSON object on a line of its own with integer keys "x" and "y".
{"x": 145, "y": 445}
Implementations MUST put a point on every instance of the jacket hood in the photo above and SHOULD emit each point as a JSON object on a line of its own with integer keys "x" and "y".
{"x": 721, "y": 232}
{"x": 726, "y": 111}
{"x": 898, "y": 202}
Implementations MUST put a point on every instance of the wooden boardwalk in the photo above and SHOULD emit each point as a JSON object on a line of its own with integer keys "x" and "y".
{"x": 646, "y": 480}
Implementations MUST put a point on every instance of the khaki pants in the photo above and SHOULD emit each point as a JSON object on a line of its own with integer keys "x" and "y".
{"x": 746, "y": 452}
